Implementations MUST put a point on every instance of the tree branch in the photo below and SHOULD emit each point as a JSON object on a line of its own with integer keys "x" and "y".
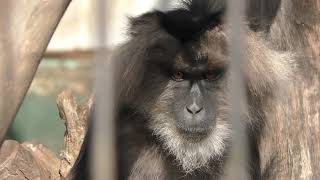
{"x": 75, "y": 118}
{"x": 26, "y": 28}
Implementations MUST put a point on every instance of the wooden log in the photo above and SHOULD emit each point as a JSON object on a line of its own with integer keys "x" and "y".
{"x": 27, "y": 161}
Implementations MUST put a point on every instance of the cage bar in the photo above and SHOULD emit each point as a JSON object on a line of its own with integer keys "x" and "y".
{"x": 103, "y": 154}
{"x": 236, "y": 167}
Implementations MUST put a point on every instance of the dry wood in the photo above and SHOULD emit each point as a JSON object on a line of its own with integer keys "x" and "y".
{"x": 27, "y": 161}
{"x": 31, "y": 160}
{"x": 75, "y": 118}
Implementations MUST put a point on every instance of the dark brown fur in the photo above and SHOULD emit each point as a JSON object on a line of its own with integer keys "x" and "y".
{"x": 149, "y": 145}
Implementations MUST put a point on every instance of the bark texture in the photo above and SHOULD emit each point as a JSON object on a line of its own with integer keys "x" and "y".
{"x": 75, "y": 118}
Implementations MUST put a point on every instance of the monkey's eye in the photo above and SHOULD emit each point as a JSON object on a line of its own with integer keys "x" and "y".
{"x": 214, "y": 75}
{"x": 178, "y": 76}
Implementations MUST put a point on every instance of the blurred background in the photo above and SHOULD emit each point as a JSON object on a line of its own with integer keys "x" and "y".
{"x": 68, "y": 65}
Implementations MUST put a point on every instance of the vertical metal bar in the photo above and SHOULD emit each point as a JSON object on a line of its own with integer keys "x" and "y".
{"x": 103, "y": 154}
{"x": 237, "y": 165}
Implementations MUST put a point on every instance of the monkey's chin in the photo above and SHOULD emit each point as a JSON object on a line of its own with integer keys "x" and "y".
{"x": 194, "y": 134}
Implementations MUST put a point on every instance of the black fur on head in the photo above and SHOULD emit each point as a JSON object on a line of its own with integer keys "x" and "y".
{"x": 193, "y": 19}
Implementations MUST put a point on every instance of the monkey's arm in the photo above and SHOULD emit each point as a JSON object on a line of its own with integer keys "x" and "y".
{"x": 291, "y": 141}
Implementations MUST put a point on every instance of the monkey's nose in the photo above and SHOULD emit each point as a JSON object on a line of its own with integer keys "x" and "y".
{"x": 194, "y": 108}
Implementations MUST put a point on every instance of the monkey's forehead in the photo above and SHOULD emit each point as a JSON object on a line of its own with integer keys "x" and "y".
{"x": 212, "y": 58}
{"x": 210, "y": 49}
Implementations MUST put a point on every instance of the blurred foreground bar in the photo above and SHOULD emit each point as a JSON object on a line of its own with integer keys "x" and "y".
{"x": 237, "y": 164}
{"x": 103, "y": 154}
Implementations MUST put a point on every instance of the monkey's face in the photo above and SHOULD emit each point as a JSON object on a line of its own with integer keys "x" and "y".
{"x": 185, "y": 96}
{"x": 196, "y": 84}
